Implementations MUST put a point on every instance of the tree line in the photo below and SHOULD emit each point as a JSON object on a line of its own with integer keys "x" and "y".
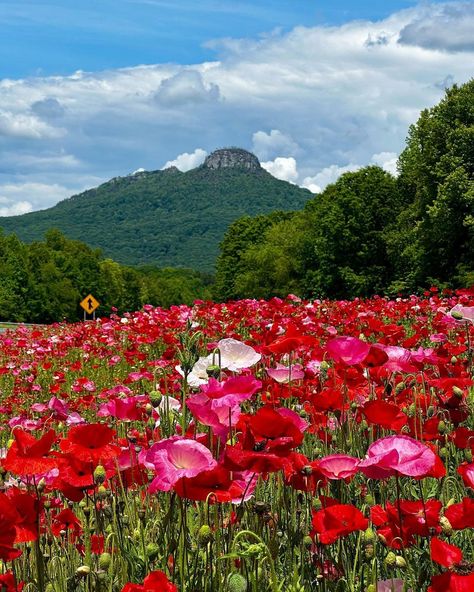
{"x": 370, "y": 232}
{"x": 44, "y": 281}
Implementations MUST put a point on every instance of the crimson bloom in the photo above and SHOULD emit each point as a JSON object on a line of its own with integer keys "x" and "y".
{"x": 29, "y": 456}
{"x": 156, "y": 581}
{"x": 384, "y": 414}
{"x": 461, "y": 515}
{"x": 337, "y": 521}
{"x": 90, "y": 443}
{"x": 217, "y": 481}
{"x": 8, "y": 517}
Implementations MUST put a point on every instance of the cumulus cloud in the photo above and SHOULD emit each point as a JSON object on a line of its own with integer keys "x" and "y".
{"x": 268, "y": 145}
{"x": 187, "y": 161}
{"x": 186, "y": 87}
{"x": 21, "y": 198}
{"x": 449, "y": 27}
{"x": 330, "y": 98}
{"x": 16, "y": 209}
{"x": 282, "y": 168}
{"x": 25, "y": 125}
{"x": 327, "y": 176}
{"x": 387, "y": 161}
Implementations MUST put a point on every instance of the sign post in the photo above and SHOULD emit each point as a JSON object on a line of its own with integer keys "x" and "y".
{"x": 89, "y": 304}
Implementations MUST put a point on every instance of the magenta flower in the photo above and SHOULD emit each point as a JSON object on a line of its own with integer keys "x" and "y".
{"x": 397, "y": 455}
{"x": 349, "y": 350}
{"x": 338, "y": 466}
{"x": 174, "y": 458}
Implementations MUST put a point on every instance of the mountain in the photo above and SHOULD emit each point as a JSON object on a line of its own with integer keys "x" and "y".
{"x": 166, "y": 218}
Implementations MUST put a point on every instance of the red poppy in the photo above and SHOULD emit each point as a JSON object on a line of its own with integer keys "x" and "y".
{"x": 26, "y": 523}
{"x": 9, "y": 584}
{"x": 66, "y": 520}
{"x": 258, "y": 461}
{"x": 217, "y": 481}
{"x": 303, "y": 475}
{"x": 461, "y": 515}
{"x": 29, "y": 456}
{"x": 291, "y": 341}
{"x": 156, "y": 581}
{"x": 90, "y": 443}
{"x": 417, "y": 518}
{"x": 386, "y": 415}
{"x": 452, "y": 582}
{"x": 8, "y": 517}
{"x": 467, "y": 473}
{"x": 445, "y": 554}
{"x": 337, "y": 521}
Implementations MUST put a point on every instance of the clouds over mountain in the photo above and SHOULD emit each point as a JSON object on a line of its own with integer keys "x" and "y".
{"x": 329, "y": 98}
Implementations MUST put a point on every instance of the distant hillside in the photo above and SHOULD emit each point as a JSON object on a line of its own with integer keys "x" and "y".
{"x": 166, "y": 218}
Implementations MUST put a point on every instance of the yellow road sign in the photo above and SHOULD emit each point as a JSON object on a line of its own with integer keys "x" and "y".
{"x": 89, "y": 304}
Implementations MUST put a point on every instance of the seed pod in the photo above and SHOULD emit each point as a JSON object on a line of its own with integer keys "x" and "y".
{"x": 236, "y": 583}
{"x": 205, "y": 535}
{"x": 390, "y": 559}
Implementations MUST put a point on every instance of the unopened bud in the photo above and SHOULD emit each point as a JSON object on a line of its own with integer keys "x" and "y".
{"x": 400, "y": 562}
{"x": 99, "y": 474}
{"x": 205, "y": 535}
{"x": 369, "y": 551}
{"x": 446, "y": 526}
{"x": 105, "y": 560}
{"x": 213, "y": 371}
{"x": 236, "y": 583}
{"x": 390, "y": 559}
{"x": 155, "y": 398}
{"x": 83, "y": 571}
{"x": 369, "y": 536}
{"x": 458, "y": 392}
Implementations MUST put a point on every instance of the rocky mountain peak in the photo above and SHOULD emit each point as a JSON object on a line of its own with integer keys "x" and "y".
{"x": 232, "y": 158}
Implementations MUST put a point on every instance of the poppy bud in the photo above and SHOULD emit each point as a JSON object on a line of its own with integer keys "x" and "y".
{"x": 205, "y": 535}
{"x": 83, "y": 571}
{"x": 324, "y": 365}
{"x": 371, "y": 588}
{"x": 458, "y": 392}
{"x": 454, "y": 360}
{"x": 49, "y": 588}
{"x": 316, "y": 503}
{"x": 369, "y": 536}
{"x": 104, "y": 561}
{"x": 468, "y": 454}
{"x": 446, "y": 526}
{"x": 369, "y": 499}
{"x": 155, "y": 398}
{"x": 443, "y": 453}
{"x": 213, "y": 371}
{"x": 390, "y": 559}
{"x": 102, "y": 492}
{"x": 152, "y": 551}
{"x": 236, "y": 583}
{"x": 399, "y": 388}
{"x": 148, "y": 409}
{"x": 308, "y": 542}
{"x": 442, "y": 427}
{"x": 456, "y": 315}
{"x": 99, "y": 474}
{"x": 307, "y": 470}
{"x": 400, "y": 562}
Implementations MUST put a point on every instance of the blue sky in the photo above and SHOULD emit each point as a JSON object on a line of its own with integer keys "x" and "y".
{"x": 62, "y": 36}
{"x": 96, "y": 89}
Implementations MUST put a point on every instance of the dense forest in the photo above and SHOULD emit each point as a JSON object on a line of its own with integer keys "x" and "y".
{"x": 45, "y": 281}
{"x": 163, "y": 218}
{"x": 370, "y": 232}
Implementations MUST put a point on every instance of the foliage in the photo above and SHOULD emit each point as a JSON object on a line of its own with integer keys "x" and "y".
{"x": 45, "y": 281}
{"x": 164, "y": 218}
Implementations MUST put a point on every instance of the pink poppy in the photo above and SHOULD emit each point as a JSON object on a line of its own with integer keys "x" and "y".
{"x": 338, "y": 466}
{"x": 397, "y": 455}
{"x": 284, "y": 374}
{"x": 348, "y": 350}
{"x": 392, "y": 585}
{"x": 175, "y": 458}
{"x": 462, "y": 313}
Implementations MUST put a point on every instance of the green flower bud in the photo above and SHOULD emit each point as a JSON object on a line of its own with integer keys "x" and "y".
{"x": 99, "y": 474}
{"x": 205, "y": 535}
{"x": 400, "y": 562}
{"x": 446, "y": 526}
{"x": 213, "y": 371}
{"x": 390, "y": 559}
{"x": 308, "y": 542}
{"x": 236, "y": 583}
{"x": 83, "y": 571}
{"x": 155, "y": 398}
{"x": 458, "y": 392}
{"x": 369, "y": 551}
{"x": 468, "y": 454}
{"x": 369, "y": 536}
{"x": 104, "y": 561}
{"x": 152, "y": 551}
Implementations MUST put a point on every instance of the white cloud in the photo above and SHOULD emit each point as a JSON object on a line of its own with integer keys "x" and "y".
{"x": 328, "y": 175}
{"x": 267, "y": 146}
{"x": 24, "y": 125}
{"x": 186, "y": 161}
{"x": 20, "y": 207}
{"x": 323, "y": 96}
{"x": 448, "y": 27}
{"x": 282, "y": 168}
{"x": 387, "y": 161}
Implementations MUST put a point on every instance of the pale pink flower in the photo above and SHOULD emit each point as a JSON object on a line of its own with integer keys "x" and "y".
{"x": 393, "y": 585}
{"x": 338, "y": 466}
{"x": 285, "y": 374}
{"x": 466, "y": 313}
{"x": 400, "y": 455}
{"x": 174, "y": 458}
{"x": 349, "y": 350}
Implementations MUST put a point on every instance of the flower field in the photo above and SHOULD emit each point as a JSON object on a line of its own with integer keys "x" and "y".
{"x": 250, "y": 446}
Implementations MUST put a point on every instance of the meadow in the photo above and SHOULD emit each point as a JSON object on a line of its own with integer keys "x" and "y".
{"x": 279, "y": 445}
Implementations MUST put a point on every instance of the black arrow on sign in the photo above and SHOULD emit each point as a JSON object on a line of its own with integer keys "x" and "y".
{"x": 90, "y": 304}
